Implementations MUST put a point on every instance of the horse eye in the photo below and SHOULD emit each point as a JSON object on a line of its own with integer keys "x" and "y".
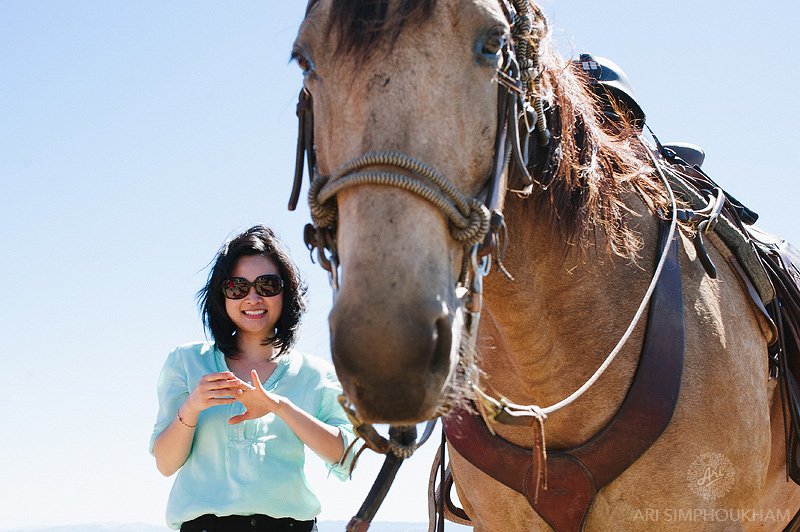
{"x": 303, "y": 62}
{"x": 494, "y": 43}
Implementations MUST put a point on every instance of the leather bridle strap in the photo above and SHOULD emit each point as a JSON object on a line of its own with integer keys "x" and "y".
{"x": 362, "y": 520}
{"x": 305, "y": 145}
{"x": 400, "y": 445}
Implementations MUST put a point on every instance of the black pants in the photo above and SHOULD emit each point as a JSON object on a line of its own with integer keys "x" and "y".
{"x": 247, "y": 523}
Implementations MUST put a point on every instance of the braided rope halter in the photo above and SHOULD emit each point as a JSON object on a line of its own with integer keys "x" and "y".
{"x": 475, "y": 223}
{"x": 469, "y": 218}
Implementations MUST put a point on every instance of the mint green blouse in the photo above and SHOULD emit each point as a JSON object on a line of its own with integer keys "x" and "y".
{"x": 255, "y": 467}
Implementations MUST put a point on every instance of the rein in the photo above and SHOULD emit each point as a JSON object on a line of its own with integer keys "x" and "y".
{"x": 400, "y": 445}
{"x": 508, "y": 413}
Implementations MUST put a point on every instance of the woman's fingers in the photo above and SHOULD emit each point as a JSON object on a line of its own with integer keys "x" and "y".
{"x": 220, "y": 376}
{"x": 217, "y": 393}
{"x": 238, "y": 419}
{"x": 222, "y": 400}
{"x": 256, "y": 379}
{"x": 212, "y": 389}
{"x": 219, "y": 381}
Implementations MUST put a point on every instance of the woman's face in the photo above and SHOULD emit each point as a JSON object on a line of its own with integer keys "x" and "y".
{"x": 254, "y": 316}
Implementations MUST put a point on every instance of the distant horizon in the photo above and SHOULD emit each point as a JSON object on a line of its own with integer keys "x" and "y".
{"x": 323, "y": 526}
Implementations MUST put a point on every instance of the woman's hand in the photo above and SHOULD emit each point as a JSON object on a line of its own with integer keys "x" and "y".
{"x": 213, "y": 389}
{"x": 173, "y": 445}
{"x": 323, "y": 439}
{"x": 257, "y": 401}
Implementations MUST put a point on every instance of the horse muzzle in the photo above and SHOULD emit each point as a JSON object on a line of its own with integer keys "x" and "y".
{"x": 394, "y": 368}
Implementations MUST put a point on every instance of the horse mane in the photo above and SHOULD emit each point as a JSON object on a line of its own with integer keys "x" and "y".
{"x": 589, "y": 166}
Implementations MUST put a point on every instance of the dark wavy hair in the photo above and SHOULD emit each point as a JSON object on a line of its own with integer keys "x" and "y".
{"x": 258, "y": 240}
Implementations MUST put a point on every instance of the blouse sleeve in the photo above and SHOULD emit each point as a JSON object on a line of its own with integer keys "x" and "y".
{"x": 172, "y": 389}
{"x": 332, "y": 413}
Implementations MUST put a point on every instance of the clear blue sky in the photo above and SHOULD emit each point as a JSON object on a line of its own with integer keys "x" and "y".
{"x": 135, "y": 136}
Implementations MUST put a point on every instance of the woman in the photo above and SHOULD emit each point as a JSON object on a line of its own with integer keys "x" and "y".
{"x": 238, "y": 447}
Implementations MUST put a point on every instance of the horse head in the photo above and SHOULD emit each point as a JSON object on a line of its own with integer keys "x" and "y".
{"x": 417, "y": 80}
{"x": 418, "y": 107}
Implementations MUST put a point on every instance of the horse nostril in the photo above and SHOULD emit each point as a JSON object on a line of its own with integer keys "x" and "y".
{"x": 443, "y": 343}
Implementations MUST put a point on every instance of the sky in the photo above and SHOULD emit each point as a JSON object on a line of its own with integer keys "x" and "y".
{"x": 136, "y": 136}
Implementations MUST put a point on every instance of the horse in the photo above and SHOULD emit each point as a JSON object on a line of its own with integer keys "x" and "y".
{"x": 406, "y": 147}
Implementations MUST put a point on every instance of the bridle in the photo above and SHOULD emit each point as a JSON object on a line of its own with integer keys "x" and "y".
{"x": 475, "y": 223}
{"x": 469, "y": 218}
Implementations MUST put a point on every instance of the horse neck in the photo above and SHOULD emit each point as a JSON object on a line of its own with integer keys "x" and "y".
{"x": 545, "y": 333}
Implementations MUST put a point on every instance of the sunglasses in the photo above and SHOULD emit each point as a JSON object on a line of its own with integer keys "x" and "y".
{"x": 265, "y": 285}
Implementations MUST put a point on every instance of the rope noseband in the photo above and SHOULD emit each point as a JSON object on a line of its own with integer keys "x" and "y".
{"x": 469, "y": 218}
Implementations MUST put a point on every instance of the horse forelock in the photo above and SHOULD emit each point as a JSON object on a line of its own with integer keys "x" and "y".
{"x": 361, "y": 25}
